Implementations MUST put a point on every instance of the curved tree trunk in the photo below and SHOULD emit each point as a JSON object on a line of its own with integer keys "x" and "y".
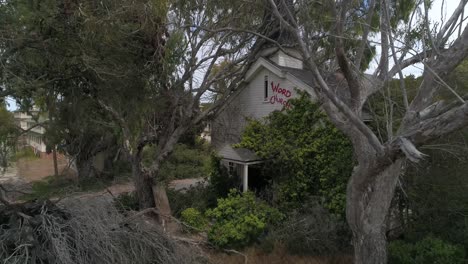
{"x": 369, "y": 195}
{"x": 143, "y": 185}
{"x": 84, "y": 168}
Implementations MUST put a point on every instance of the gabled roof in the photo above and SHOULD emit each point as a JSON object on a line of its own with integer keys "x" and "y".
{"x": 301, "y": 78}
{"x": 240, "y": 155}
{"x": 303, "y": 75}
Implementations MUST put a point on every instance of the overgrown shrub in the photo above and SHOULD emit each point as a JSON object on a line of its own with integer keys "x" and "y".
{"x": 435, "y": 196}
{"x": 310, "y": 230}
{"x": 52, "y": 186}
{"x": 184, "y": 162}
{"x": 220, "y": 182}
{"x": 240, "y": 219}
{"x": 199, "y": 197}
{"x": 202, "y": 196}
{"x": 428, "y": 250}
{"x": 25, "y": 153}
{"x": 306, "y": 155}
{"x": 194, "y": 219}
{"x": 126, "y": 202}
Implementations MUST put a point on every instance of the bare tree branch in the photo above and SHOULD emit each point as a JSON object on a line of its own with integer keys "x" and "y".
{"x": 365, "y": 35}
{"x": 441, "y": 36}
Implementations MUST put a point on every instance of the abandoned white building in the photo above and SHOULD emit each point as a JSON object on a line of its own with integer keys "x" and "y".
{"x": 268, "y": 85}
{"x": 34, "y": 137}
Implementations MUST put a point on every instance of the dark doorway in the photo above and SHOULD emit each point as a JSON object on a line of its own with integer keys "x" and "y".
{"x": 257, "y": 181}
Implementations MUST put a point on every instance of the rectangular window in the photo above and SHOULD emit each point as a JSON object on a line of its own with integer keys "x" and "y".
{"x": 265, "y": 87}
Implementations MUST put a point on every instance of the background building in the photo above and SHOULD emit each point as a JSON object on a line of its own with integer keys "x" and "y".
{"x": 34, "y": 137}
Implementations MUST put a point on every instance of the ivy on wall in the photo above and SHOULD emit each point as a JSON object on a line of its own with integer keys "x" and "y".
{"x": 305, "y": 154}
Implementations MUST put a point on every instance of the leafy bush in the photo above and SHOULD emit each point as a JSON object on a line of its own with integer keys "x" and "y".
{"x": 199, "y": 197}
{"x": 127, "y": 202}
{"x": 306, "y": 154}
{"x": 184, "y": 162}
{"x": 435, "y": 197}
{"x": 240, "y": 219}
{"x": 311, "y": 230}
{"x": 52, "y": 186}
{"x": 220, "y": 182}
{"x": 194, "y": 219}
{"x": 25, "y": 153}
{"x": 428, "y": 250}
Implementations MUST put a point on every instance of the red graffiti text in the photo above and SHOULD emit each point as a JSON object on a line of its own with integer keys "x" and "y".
{"x": 279, "y": 90}
{"x": 279, "y": 94}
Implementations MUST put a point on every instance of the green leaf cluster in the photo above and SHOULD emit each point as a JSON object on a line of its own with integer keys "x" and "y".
{"x": 306, "y": 155}
{"x": 184, "y": 162}
{"x": 194, "y": 219}
{"x": 240, "y": 219}
{"x": 428, "y": 250}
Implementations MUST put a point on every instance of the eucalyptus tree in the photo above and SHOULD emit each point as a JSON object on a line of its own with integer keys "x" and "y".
{"x": 159, "y": 110}
{"x": 406, "y": 37}
{"x": 141, "y": 67}
{"x": 44, "y": 63}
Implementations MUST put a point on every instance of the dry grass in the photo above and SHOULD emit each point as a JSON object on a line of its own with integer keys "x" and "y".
{"x": 277, "y": 256}
{"x": 86, "y": 232}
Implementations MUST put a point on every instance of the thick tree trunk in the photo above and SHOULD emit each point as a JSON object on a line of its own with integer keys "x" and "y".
{"x": 84, "y": 168}
{"x": 162, "y": 204}
{"x": 369, "y": 196}
{"x": 143, "y": 185}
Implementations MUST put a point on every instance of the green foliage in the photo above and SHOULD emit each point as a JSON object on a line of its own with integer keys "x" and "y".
{"x": 80, "y": 54}
{"x": 25, "y": 153}
{"x": 194, "y": 219}
{"x": 306, "y": 154}
{"x": 436, "y": 197}
{"x": 199, "y": 197}
{"x": 428, "y": 250}
{"x": 220, "y": 181}
{"x": 52, "y": 186}
{"x": 240, "y": 219}
{"x": 184, "y": 162}
{"x": 126, "y": 202}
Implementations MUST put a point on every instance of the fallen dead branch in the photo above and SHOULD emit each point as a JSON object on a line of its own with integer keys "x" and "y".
{"x": 79, "y": 232}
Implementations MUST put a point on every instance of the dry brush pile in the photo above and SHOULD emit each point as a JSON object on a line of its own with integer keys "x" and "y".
{"x": 83, "y": 231}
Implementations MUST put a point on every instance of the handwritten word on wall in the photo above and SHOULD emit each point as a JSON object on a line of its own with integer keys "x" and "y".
{"x": 280, "y": 95}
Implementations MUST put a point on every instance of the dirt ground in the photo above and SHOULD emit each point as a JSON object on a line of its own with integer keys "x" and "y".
{"x": 277, "y": 256}
{"x": 38, "y": 168}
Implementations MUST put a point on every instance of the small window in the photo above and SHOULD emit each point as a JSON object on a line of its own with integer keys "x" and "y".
{"x": 265, "y": 87}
